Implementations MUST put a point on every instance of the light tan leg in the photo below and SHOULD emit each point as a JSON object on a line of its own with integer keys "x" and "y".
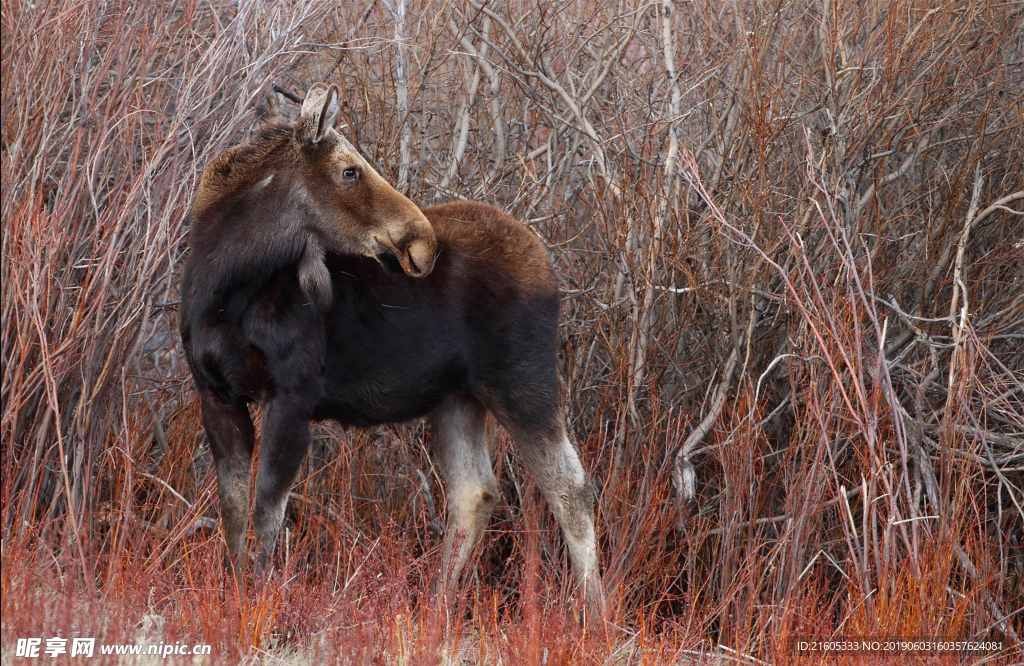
{"x": 460, "y": 450}
{"x": 553, "y": 461}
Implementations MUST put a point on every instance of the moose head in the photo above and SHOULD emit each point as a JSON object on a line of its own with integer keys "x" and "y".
{"x": 299, "y": 190}
{"x": 357, "y": 210}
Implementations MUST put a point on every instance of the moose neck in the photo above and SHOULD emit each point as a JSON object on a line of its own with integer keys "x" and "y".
{"x": 240, "y": 250}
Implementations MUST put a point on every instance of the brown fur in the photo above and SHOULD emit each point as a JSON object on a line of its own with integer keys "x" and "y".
{"x": 496, "y": 238}
{"x": 239, "y": 167}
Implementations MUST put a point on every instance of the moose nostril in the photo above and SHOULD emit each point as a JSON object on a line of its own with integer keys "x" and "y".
{"x": 413, "y": 270}
{"x": 420, "y": 255}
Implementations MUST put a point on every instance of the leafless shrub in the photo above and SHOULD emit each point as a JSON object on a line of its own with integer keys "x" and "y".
{"x": 790, "y": 240}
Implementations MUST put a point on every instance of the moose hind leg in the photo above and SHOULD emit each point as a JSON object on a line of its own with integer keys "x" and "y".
{"x": 282, "y": 448}
{"x": 231, "y": 436}
{"x": 552, "y": 460}
{"x": 460, "y": 450}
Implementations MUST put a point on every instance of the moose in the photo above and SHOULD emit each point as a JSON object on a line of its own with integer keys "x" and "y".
{"x": 316, "y": 290}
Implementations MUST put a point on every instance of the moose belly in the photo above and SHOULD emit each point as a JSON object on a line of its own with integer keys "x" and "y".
{"x": 387, "y": 394}
{"x": 383, "y": 368}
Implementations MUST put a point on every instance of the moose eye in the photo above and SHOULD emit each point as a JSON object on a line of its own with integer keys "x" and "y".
{"x": 349, "y": 173}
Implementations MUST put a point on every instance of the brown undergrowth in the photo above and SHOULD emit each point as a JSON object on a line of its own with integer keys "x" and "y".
{"x": 790, "y": 242}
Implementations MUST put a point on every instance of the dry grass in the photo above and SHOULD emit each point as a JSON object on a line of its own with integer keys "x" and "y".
{"x": 791, "y": 248}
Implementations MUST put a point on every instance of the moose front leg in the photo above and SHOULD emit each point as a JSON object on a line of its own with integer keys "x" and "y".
{"x": 282, "y": 448}
{"x": 231, "y": 436}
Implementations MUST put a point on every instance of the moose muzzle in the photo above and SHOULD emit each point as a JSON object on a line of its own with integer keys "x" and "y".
{"x": 416, "y": 250}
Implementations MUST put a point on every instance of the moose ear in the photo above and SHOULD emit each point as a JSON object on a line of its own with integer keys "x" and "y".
{"x": 314, "y": 278}
{"x": 320, "y": 112}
